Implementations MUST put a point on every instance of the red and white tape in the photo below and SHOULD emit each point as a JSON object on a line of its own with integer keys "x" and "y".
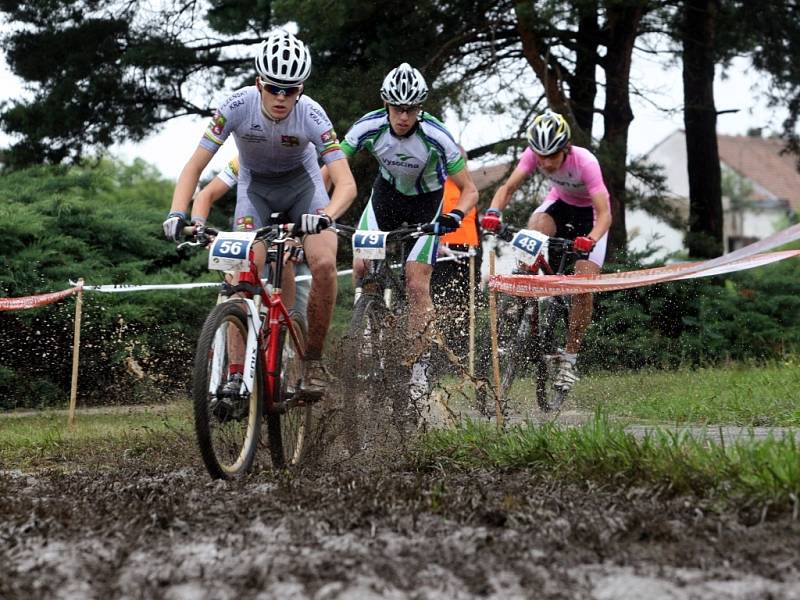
{"x": 558, "y": 285}
{"x": 25, "y": 302}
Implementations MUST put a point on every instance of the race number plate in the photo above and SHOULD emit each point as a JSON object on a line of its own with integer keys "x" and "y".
{"x": 230, "y": 251}
{"x": 528, "y": 245}
{"x": 369, "y": 245}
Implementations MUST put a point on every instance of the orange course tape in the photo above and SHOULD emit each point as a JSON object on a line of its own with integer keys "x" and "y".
{"x": 35, "y": 301}
{"x": 751, "y": 256}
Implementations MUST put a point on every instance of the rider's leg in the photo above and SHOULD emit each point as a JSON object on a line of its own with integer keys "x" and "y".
{"x": 580, "y": 315}
{"x": 420, "y": 317}
{"x": 418, "y": 289}
{"x": 542, "y": 222}
{"x": 237, "y": 343}
{"x": 288, "y": 285}
{"x": 359, "y": 270}
{"x": 320, "y": 252}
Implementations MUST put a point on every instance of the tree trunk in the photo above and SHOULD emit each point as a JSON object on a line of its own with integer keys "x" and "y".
{"x": 704, "y": 239}
{"x": 621, "y": 31}
{"x": 583, "y": 84}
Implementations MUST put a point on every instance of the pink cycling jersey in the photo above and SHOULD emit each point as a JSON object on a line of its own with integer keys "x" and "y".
{"x": 575, "y": 181}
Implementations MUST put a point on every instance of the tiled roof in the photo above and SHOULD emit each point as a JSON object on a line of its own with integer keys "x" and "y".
{"x": 760, "y": 160}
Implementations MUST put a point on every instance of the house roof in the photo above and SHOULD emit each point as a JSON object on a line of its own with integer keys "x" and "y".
{"x": 760, "y": 160}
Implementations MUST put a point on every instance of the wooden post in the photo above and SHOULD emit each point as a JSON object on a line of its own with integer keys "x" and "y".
{"x": 495, "y": 355}
{"x": 76, "y": 345}
{"x": 471, "y": 316}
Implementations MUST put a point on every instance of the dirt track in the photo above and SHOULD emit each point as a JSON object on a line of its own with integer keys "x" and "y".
{"x": 362, "y": 522}
{"x": 368, "y": 529}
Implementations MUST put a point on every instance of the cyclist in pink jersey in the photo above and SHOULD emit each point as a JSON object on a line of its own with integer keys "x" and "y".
{"x": 576, "y": 207}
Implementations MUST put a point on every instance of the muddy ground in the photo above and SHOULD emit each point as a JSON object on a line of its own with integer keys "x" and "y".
{"x": 361, "y": 521}
{"x": 371, "y": 525}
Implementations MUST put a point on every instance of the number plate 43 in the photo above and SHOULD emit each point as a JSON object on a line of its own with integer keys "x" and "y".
{"x": 528, "y": 245}
{"x": 369, "y": 245}
{"x": 231, "y": 250}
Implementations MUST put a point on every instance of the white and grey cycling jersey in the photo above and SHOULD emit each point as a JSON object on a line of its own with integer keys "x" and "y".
{"x": 269, "y": 147}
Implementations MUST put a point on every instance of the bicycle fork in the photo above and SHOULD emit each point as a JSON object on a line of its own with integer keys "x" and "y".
{"x": 218, "y": 368}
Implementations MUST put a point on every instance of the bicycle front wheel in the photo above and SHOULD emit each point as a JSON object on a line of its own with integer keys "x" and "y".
{"x": 289, "y": 431}
{"x": 516, "y": 342}
{"x": 366, "y": 338}
{"x": 227, "y": 416}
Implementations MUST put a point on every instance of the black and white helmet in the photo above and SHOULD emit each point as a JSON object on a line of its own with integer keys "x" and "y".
{"x": 404, "y": 85}
{"x": 548, "y": 133}
{"x": 282, "y": 59}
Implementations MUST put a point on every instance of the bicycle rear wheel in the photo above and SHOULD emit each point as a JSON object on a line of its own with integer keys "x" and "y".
{"x": 289, "y": 431}
{"x": 227, "y": 417}
{"x": 551, "y": 339}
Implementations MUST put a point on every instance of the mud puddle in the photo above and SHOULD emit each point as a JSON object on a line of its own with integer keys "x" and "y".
{"x": 375, "y": 530}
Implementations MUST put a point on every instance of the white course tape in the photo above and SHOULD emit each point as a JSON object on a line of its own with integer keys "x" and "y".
{"x": 124, "y": 287}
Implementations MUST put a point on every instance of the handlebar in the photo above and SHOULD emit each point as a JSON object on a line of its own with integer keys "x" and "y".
{"x": 203, "y": 236}
{"x": 410, "y": 231}
{"x": 506, "y": 233}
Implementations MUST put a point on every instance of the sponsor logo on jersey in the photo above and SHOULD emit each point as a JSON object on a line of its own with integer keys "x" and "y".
{"x": 256, "y": 127}
{"x": 290, "y": 140}
{"x": 318, "y": 116}
{"x": 329, "y": 137}
{"x": 402, "y": 162}
{"x": 217, "y": 123}
{"x": 244, "y": 223}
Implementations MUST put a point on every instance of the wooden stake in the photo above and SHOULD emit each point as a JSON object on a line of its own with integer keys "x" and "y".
{"x": 76, "y": 345}
{"x": 495, "y": 355}
{"x": 472, "y": 316}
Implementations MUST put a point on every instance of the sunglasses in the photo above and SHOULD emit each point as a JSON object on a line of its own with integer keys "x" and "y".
{"x": 276, "y": 90}
{"x": 402, "y": 108}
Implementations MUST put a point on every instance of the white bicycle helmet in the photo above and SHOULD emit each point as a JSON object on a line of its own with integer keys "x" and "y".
{"x": 548, "y": 133}
{"x": 283, "y": 60}
{"x": 404, "y": 85}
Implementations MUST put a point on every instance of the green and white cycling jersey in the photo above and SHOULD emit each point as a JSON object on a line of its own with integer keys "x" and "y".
{"x": 414, "y": 164}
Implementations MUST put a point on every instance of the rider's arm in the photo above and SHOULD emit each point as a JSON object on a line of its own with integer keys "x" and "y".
{"x": 207, "y": 196}
{"x": 326, "y": 178}
{"x": 602, "y": 211}
{"x": 469, "y": 193}
{"x": 187, "y": 180}
{"x": 504, "y": 193}
{"x": 344, "y": 188}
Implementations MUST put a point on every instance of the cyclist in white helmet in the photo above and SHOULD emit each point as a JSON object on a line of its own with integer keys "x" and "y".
{"x": 415, "y": 153}
{"x": 576, "y": 207}
{"x": 281, "y": 135}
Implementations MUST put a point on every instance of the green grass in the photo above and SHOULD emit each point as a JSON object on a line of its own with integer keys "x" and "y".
{"x": 741, "y": 394}
{"x": 745, "y": 471}
{"x": 43, "y": 439}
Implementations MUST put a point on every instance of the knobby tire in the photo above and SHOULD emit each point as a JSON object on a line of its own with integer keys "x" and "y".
{"x": 289, "y": 432}
{"x": 227, "y": 434}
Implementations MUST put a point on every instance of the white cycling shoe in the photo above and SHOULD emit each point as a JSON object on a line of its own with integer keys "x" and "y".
{"x": 566, "y": 376}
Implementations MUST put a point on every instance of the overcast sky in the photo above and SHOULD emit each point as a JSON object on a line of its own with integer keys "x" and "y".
{"x": 174, "y": 143}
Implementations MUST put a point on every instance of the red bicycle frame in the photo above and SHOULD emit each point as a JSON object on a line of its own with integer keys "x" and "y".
{"x": 277, "y": 316}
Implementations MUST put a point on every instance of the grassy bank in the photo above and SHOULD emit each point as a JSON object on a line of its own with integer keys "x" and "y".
{"x": 765, "y": 472}
{"x": 99, "y": 438}
{"x": 739, "y": 394}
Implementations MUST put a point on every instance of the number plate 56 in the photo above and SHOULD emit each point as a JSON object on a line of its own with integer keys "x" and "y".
{"x": 231, "y": 250}
{"x": 528, "y": 245}
{"x": 369, "y": 245}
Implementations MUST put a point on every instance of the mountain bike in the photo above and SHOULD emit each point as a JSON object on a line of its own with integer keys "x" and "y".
{"x": 533, "y": 331}
{"x": 248, "y": 363}
{"x": 381, "y": 298}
